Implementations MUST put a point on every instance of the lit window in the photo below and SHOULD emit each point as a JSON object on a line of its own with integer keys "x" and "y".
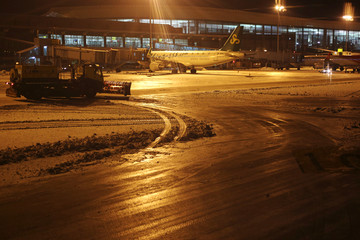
{"x": 114, "y": 42}
{"x": 74, "y": 40}
{"x": 95, "y": 41}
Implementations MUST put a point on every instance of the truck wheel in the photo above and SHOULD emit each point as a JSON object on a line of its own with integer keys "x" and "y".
{"x": 90, "y": 93}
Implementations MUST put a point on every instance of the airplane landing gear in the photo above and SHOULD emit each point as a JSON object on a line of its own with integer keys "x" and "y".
{"x": 182, "y": 68}
{"x": 193, "y": 71}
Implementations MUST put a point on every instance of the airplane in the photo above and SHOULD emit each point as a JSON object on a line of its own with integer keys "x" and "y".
{"x": 184, "y": 60}
{"x": 335, "y": 59}
{"x": 315, "y": 60}
{"x": 344, "y": 61}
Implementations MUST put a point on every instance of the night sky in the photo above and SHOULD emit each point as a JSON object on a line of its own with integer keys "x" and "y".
{"x": 319, "y": 9}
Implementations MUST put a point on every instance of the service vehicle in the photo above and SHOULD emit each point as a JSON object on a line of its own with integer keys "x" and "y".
{"x": 34, "y": 82}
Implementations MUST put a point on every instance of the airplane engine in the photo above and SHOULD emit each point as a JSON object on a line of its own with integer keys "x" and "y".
{"x": 156, "y": 66}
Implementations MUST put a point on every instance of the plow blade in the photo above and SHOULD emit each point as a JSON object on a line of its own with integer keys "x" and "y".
{"x": 117, "y": 87}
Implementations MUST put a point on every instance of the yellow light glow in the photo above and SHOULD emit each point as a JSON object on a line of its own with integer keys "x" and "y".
{"x": 158, "y": 15}
{"x": 280, "y": 5}
{"x": 348, "y": 18}
{"x": 280, "y": 8}
{"x": 349, "y": 11}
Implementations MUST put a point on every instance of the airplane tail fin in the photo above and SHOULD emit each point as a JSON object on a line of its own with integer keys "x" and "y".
{"x": 233, "y": 42}
{"x": 149, "y": 53}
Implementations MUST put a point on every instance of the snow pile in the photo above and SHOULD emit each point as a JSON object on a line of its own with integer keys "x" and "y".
{"x": 73, "y": 153}
{"x": 197, "y": 129}
{"x": 132, "y": 140}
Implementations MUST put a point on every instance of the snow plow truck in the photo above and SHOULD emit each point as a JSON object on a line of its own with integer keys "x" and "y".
{"x": 35, "y": 82}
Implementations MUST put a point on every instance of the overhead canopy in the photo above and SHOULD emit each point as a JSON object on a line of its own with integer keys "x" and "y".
{"x": 175, "y": 12}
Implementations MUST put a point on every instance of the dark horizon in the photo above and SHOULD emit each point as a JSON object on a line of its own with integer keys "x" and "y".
{"x": 296, "y": 8}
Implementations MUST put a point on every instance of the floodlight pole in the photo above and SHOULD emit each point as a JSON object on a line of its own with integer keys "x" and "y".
{"x": 347, "y": 21}
{"x": 347, "y": 35}
{"x": 277, "y": 35}
{"x": 279, "y": 7}
{"x": 151, "y": 27}
{"x": 348, "y": 17}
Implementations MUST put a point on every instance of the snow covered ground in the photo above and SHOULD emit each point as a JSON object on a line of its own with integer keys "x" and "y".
{"x": 284, "y": 162}
{"x": 329, "y": 102}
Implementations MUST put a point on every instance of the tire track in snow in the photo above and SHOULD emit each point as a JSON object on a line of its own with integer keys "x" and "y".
{"x": 167, "y": 128}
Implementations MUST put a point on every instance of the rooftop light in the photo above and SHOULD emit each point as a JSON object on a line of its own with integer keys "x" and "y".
{"x": 348, "y": 18}
{"x": 348, "y": 12}
{"x": 280, "y": 8}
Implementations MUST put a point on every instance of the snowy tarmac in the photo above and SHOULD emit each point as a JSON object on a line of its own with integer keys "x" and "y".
{"x": 284, "y": 163}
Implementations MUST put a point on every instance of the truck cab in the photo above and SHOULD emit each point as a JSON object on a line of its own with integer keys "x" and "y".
{"x": 90, "y": 78}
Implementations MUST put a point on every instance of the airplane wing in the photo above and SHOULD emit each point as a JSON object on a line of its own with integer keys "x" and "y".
{"x": 325, "y": 50}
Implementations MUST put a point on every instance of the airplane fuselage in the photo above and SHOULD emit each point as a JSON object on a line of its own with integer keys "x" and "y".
{"x": 183, "y": 60}
{"x": 346, "y": 61}
{"x": 196, "y": 58}
{"x": 335, "y": 59}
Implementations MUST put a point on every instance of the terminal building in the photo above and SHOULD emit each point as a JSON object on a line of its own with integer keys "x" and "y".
{"x": 121, "y": 33}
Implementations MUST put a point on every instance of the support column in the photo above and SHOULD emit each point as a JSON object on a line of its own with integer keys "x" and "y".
{"x": 84, "y": 39}
{"x": 302, "y": 39}
{"x": 63, "y": 38}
